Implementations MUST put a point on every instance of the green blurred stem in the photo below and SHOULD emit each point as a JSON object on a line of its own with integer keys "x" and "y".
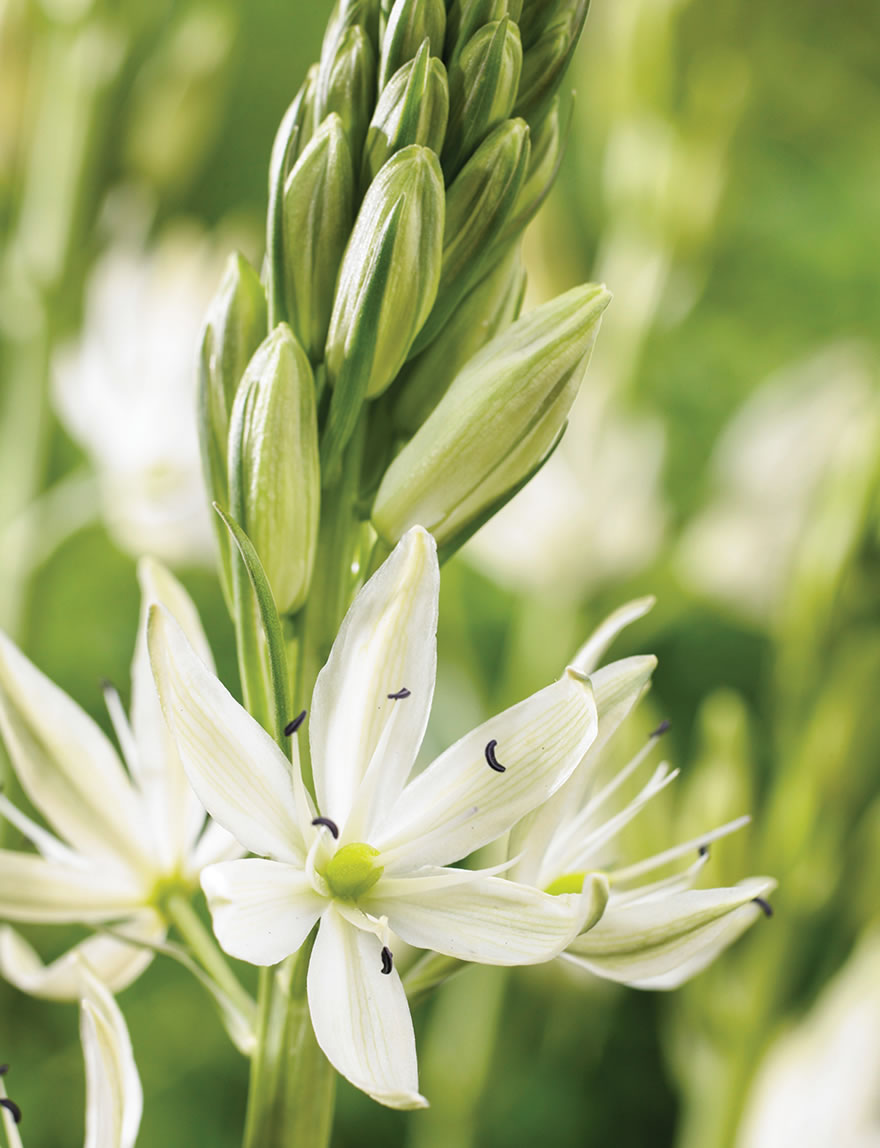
{"x": 204, "y": 948}
{"x": 429, "y": 973}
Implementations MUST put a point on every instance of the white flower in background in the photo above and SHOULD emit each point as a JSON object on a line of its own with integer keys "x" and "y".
{"x": 820, "y": 1081}
{"x": 807, "y": 436}
{"x": 125, "y": 839}
{"x": 374, "y": 865}
{"x": 126, "y": 391}
{"x": 114, "y": 1097}
{"x": 654, "y": 933}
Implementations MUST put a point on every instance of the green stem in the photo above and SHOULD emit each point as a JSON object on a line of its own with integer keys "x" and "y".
{"x": 428, "y": 973}
{"x": 206, "y": 951}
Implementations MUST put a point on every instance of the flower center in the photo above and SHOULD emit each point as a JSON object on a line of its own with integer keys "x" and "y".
{"x": 567, "y": 883}
{"x": 352, "y": 871}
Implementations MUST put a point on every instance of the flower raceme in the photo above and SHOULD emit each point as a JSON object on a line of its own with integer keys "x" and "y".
{"x": 370, "y": 859}
{"x": 125, "y": 839}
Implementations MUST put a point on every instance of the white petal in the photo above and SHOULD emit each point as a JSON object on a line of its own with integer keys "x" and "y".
{"x": 67, "y": 766}
{"x": 114, "y": 1098}
{"x": 47, "y": 843}
{"x": 115, "y": 962}
{"x": 488, "y": 920}
{"x": 661, "y": 942}
{"x": 176, "y": 813}
{"x": 386, "y": 643}
{"x": 361, "y": 1016}
{"x": 262, "y": 910}
{"x": 215, "y": 844}
{"x": 7, "y": 1121}
{"x": 238, "y": 772}
{"x": 34, "y": 889}
{"x": 588, "y": 656}
{"x": 460, "y": 803}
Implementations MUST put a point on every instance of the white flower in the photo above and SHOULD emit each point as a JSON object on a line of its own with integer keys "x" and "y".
{"x": 125, "y": 839}
{"x": 126, "y": 391}
{"x": 653, "y": 935}
{"x": 818, "y": 1084}
{"x": 374, "y": 864}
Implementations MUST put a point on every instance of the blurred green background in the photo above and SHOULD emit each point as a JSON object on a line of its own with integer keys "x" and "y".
{"x": 721, "y": 175}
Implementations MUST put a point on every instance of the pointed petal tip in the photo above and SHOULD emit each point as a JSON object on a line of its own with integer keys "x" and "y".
{"x": 402, "y": 1101}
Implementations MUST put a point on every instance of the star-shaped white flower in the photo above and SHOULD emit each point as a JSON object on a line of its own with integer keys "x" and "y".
{"x": 655, "y": 934}
{"x": 126, "y": 838}
{"x": 373, "y": 865}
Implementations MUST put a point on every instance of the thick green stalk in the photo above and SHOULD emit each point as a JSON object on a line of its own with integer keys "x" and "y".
{"x": 204, "y": 948}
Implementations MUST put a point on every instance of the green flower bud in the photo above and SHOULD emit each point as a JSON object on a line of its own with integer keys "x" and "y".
{"x": 546, "y": 60}
{"x": 409, "y": 23}
{"x": 482, "y": 89}
{"x": 351, "y": 85}
{"x": 234, "y": 328}
{"x": 488, "y": 310}
{"x": 413, "y": 109}
{"x": 387, "y": 285}
{"x": 538, "y": 15}
{"x": 274, "y": 472}
{"x": 495, "y": 424}
{"x": 317, "y": 221}
{"x": 466, "y": 17}
{"x": 346, "y": 14}
{"x": 478, "y": 203}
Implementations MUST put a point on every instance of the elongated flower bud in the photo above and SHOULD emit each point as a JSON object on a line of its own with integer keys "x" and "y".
{"x": 413, "y": 109}
{"x": 466, "y": 17}
{"x": 274, "y": 473}
{"x": 495, "y": 424}
{"x": 351, "y": 85}
{"x": 545, "y": 61}
{"x": 235, "y": 327}
{"x": 387, "y": 285}
{"x": 409, "y": 23}
{"x": 539, "y": 15}
{"x": 482, "y": 90}
{"x": 478, "y": 204}
{"x": 317, "y": 220}
{"x": 488, "y": 310}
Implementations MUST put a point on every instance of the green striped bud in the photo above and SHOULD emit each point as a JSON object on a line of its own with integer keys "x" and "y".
{"x": 351, "y": 85}
{"x": 387, "y": 286}
{"x": 274, "y": 472}
{"x": 478, "y": 204}
{"x": 539, "y": 15}
{"x": 488, "y": 310}
{"x": 413, "y": 109}
{"x": 234, "y": 328}
{"x": 466, "y": 18}
{"x": 482, "y": 90}
{"x": 546, "y": 60}
{"x": 495, "y": 425}
{"x": 317, "y": 220}
{"x": 409, "y": 23}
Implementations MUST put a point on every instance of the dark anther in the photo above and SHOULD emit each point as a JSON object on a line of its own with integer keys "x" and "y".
{"x": 661, "y": 728}
{"x": 13, "y": 1108}
{"x": 293, "y": 726}
{"x": 387, "y": 963}
{"x": 4, "y": 1068}
{"x": 403, "y": 692}
{"x": 328, "y": 824}
{"x": 703, "y": 851}
{"x": 766, "y": 907}
{"x": 492, "y": 759}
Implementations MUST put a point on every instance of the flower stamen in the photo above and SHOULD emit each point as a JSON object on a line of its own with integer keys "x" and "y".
{"x": 493, "y": 761}
{"x": 403, "y": 692}
{"x": 328, "y": 824}
{"x": 765, "y": 906}
{"x": 12, "y": 1107}
{"x": 293, "y": 725}
{"x": 387, "y": 960}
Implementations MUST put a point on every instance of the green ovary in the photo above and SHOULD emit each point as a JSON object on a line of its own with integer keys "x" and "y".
{"x": 352, "y": 871}
{"x": 567, "y": 883}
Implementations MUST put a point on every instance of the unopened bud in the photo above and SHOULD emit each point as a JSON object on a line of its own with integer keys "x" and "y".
{"x": 317, "y": 221}
{"x": 351, "y": 85}
{"x": 495, "y": 424}
{"x": 409, "y": 23}
{"x": 485, "y": 312}
{"x": 478, "y": 204}
{"x": 387, "y": 286}
{"x": 539, "y": 15}
{"x": 482, "y": 90}
{"x": 466, "y": 17}
{"x": 346, "y": 14}
{"x": 546, "y": 60}
{"x": 274, "y": 472}
{"x": 413, "y": 109}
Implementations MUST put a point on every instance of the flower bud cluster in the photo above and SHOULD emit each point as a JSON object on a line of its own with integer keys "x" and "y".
{"x": 382, "y": 347}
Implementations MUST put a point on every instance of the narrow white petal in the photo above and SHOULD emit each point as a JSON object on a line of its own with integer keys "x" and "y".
{"x": 114, "y": 1098}
{"x": 238, "y": 772}
{"x": 40, "y": 891}
{"x": 66, "y": 764}
{"x": 361, "y": 1016}
{"x": 176, "y": 813}
{"x": 658, "y": 860}
{"x": 588, "y": 656}
{"x": 215, "y": 844}
{"x": 488, "y": 920}
{"x": 460, "y": 803}
{"x": 115, "y": 962}
{"x": 47, "y": 843}
{"x": 7, "y": 1121}
{"x": 387, "y": 643}
{"x": 661, "y": 942}
{"x": 262, "y": 910}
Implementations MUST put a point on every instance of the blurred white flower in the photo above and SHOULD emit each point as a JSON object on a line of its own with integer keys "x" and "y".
{"x": 819, "y": 1083}
{"x": 804, "y": 435}
{"x": 126, "y": 391}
